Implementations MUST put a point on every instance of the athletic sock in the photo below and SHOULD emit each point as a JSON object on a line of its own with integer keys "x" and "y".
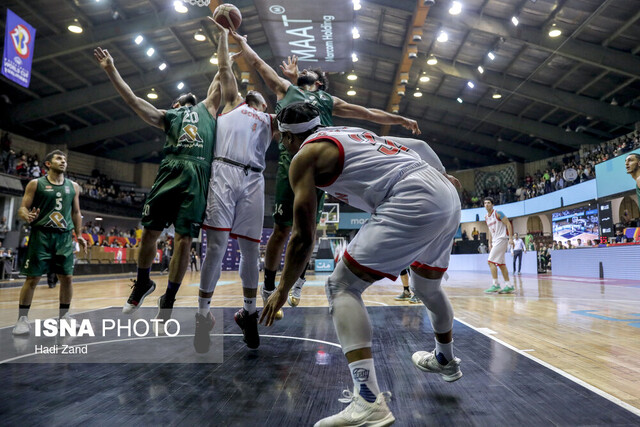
{"x": 507, "y": 284}
{"x": 269, "y": 279}
{"x": 444, "y": 352}
{"x": 250, "y": 305}
{"x": 204, "y": 305}
{"x": 495, "y": 282}
{"x": 364, "y": 378}
{"x": 406, "y": 289}
{"x": 172, "y": 290}
{"x": 143, "y": 275}
{"x": 304, "y": 272}
{"x": 23, "y": 310}
{"x": 64, "y": 309}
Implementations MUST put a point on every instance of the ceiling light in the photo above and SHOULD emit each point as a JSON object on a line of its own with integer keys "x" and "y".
{"x": 456, "y": 8}
{"x": 491, "y": 56}
{"x": 496, "y": 95}
{"x": 395, "y": 108}
{"x": 150, "y": 51}
{"x": 199, "y": 36}
{"x": 180, "y": 86}
{"x": 443, "y": 37}
{"x": 355, "y": 33}
{"x": 75, "y": 27}
{"x": 357, "y": 5}
{"x": 180, "y": 7}
{"x": 214, "y": 59}
{"x": 354, "y": 57}
{"x": 404, "y": 78}
{"x": 352, "y": 76}
{"x": 400, "y": 90}
{"x": 424, "y": 78}
{"x": 139, "y": 39}
{"x": 432, "y": 60}
{"x": 554, "y": 31}
{"x": 351, "y": 91}
{"x": 417, "y": 93}
{"x": 153, "y": 94}
{"x": 162, "y": 66}
{"x": 459, "y": 100}
{"x": 98, "y": 218}
{"x": 470, "y": 84}
{"x": 514, "y": 21}
{"x": 480, "y": 69}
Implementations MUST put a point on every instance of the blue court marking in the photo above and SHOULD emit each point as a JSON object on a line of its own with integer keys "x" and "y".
{"x": 634, "y": 322}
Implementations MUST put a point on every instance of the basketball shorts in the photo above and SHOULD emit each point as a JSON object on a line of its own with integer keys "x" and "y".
{"x": 498, "y": 249}
{"x": 283, "y": 206}
{"x": 235, "y": 202}
{"x": 178, "y": 196}
{"x": 48, "y": 252}
{"x": 414, "y": 226}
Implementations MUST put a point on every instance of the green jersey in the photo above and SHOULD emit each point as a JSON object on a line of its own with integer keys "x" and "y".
{"x": 638, "y": 193}
{"x": 55, "y": 203}
{"x": 191, "y": 132}
{"x": 319, "y": 98}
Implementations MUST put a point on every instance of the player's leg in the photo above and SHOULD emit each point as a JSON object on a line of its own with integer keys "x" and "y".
{"x": 177, "y": 270}
{"x": 247, "y": 316}
{"x": 143, "y": 285}
{"x": 406, "y": 292}
{"x": 36, "y": 264}
{"x": 24, "y": 304}
{"x": 508, "y": 289}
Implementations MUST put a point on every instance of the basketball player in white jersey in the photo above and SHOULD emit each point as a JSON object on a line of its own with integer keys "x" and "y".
{"x": 235, "y": 203}
{"x": 415, "y": 215}
{"x": 500, "y": 238}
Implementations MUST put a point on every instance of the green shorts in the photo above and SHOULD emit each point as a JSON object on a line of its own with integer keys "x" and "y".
{"x": 283, "y": 207}
{"x": 178, "y": 196}
{"x": 48, "y": 252}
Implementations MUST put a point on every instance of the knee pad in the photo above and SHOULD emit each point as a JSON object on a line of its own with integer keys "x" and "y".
{"x": 343, "y": 280}
{"x": 435, "y": 299}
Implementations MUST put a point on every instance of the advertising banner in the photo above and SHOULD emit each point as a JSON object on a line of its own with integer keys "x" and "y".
{"x": 19, "y": 40}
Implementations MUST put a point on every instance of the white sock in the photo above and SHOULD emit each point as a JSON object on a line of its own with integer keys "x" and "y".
{"x": 364, "y": 378}
{"x": 203, "y": 305}
{"x": 495, "y": 282}
{"x": 507, "y": 284}
{"x": 250, "y": 305}
{"x": 299, "y": 283}
{"x": 445, "y": 349}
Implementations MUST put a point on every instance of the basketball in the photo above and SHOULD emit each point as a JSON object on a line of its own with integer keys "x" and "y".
{"x": 228, "y": 16}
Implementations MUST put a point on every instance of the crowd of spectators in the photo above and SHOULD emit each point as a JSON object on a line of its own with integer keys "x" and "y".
{"x": 573, "y": 168}
{"x": 98, "y": 186}
{"x": 97, "y": 229}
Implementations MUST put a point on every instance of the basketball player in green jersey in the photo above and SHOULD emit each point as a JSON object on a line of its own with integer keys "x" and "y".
{"x": 632, "y": 165}
{"x": 310, "y": 87}
{"x": 179, "y": 193}
{"x": 51, "y": 204}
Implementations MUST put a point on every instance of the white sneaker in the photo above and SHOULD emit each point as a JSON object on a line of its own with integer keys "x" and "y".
{"x": 426, "y": 361}
{"x": 22, "y": 326}
{"x": 295, "y": 293}
{"x": 265, "y": 296}
{"x": 361, "y": 413}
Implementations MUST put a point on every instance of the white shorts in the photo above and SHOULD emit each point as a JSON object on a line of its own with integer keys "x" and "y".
{"x": 235, "y": 202}
{"x": 498, "y": 249}
{"x": 414, "y": 226}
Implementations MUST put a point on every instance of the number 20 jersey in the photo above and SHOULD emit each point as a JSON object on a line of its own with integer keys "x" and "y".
{"x": 370, "y": 165}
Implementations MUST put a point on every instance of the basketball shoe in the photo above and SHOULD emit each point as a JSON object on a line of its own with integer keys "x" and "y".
{"x": 507, "y": 290}
{"x": 22, "y": 326}
{"x": 295, "y": 293}
{"x": 138, "y": 294}
{"x": 249, "y": 325}
{"x": 265, "y": 296}
{"x": 165, "y": 307}
{"x": 492, "y": 289}
{"x": 202, "y": 339}
{"x": 427, "y": 361}
{"x": 361, "y": 413}
{"x": 404, "y": 296}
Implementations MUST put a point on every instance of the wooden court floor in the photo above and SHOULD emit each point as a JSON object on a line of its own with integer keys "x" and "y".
{"x": 586, "y": 329}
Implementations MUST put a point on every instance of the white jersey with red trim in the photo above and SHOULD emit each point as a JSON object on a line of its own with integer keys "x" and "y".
{"x": 496, "y": 226}
{"x": 243, "y": 135}
{"x": 370, "y": 165}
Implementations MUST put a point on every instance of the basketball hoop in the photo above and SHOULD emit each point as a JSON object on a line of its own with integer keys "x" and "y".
{"x": 200, "y": 3}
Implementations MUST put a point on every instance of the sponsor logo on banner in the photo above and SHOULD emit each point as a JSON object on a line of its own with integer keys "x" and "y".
{"x": 501, "y": 178}
{"x": 324, "y": 265}
{"x": 19, "y": 40}
{"x": 318, "y": 32}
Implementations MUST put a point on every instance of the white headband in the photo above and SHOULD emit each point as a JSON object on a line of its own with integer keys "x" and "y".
{"x": 296, "y": 128}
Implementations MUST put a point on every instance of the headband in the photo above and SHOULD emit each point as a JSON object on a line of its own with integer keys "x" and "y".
{"x": 297, "y": 128}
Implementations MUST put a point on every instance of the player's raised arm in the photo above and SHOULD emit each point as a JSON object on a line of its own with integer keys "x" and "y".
{"x": 352, "y": 111}
{"x": 276, "y": 83}
{"x": 143, "y": 109}
{"x": 228, "y": 83}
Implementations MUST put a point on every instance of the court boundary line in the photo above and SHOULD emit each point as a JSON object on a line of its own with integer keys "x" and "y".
{"x": 594, "y": 389}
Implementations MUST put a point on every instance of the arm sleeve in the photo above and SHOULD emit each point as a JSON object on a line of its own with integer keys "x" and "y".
{"x": 423, "y": 150}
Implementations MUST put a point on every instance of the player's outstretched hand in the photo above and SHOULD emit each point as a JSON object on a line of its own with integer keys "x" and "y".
{"x": 290, "y": 67}
{"x": 237, "y": 37}
{"x": 412, "y": 125}
{"x": 32, "y": 215}
{"x": 223, "y": 31}
{"x": 103, "y": 57}
{"x": 271, "y": 308}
